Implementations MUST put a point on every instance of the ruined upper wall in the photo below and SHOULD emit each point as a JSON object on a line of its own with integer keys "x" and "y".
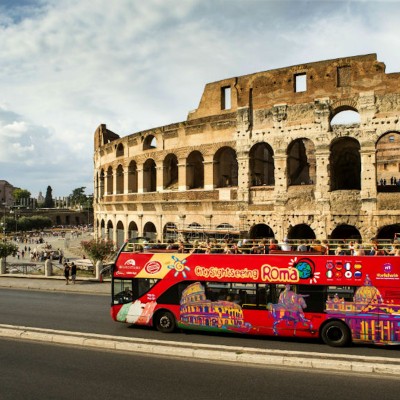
{"x": 338, "y": 79}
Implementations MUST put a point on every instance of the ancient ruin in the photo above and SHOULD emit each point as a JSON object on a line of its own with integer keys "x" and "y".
{"x": 262, "y": 156}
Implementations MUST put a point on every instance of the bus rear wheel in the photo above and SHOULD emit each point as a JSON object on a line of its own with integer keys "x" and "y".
{"x": 336, "y": 334}
{"x": 165, "y": 322}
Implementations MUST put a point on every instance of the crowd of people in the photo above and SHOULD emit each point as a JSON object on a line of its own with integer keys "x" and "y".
{"x": 270, "y": 246}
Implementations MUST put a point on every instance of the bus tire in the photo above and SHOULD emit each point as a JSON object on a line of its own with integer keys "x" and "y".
{"x": 336, "y": 334}
{"x": 165, "y": 322}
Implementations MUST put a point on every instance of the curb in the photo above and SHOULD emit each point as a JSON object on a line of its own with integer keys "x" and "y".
{"x": 243, "y": 355}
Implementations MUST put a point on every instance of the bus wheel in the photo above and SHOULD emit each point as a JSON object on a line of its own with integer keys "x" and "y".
{"x": 165, "y": 322}
{"x": 336, "y": 334}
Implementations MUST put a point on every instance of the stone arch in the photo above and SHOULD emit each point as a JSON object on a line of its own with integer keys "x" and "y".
{"x": 110, "y": 180}
{"x": 149, "y": 142}
{"x": 261, "y": 231}
{"x": 150, "y": 231}
{"x": 133, "y": 231}
{"x": 195, "y": 170}
{"x": 120, "y": 234}
{"x": 132, "y": 177}
{"x": 110, "y": 230}
{"x": 149, "y": 176}
{"x": 102, "y": 229}
{"x": 344, "y": 231}
{"x": 170, "y": 232}
{"x": 388, "y": 162}
{"x": 301, "y": 231}
{"x": 119, "y": 179}
{"x": 345, "y": 164}
{"x": 170, "y": 172}
{"x": 120, "y": 150}
{"x": 301, "y": 162}
{"x": 389, "y": 232}
{"x": 262, "y": 169}
{"x": 225, "y": 167}
{"x": 344, "y": 113}
{"x": 101, "y": 183}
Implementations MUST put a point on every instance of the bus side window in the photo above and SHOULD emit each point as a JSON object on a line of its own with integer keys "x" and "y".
{"x": 314, "y": 297}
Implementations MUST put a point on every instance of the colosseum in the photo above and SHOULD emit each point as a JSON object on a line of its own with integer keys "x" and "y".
{"x": 265, "y": 155}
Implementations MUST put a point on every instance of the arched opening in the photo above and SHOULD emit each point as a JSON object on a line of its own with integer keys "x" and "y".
{"x": 132, "y": 177}
{"x": 120, "y": 234}
{"x": 170, "y": 232}
{"x": 345, "y": 165}
{"x": 261, "y": 231}
{"x": 110, "y": 230}
{"x": 301, "y": 231}
{"x": 133, "y": 231}
{"x": 149, "y": 230}
{"x": 170, "y": 172}
{"x": 194, "y": 231}
{"x": 301, "y": 162}
{"x": 225, "y": 168}
{"x": 262, "y": 165}
{"x": 149, "y": 176}
{"x": 345, "y": 231}
{"x": 345, "y": 116}
{"x": 120, "y": 150}
{"x": 120, "y": 179}
{"x": 195, "y": 170}
{"x": 388, "y": 162}
{"x": 101, "y": 184}
{"x": 58, "y": 220}
{"x": 110, "y": 180}
{"x": 150, "y": 142}
{"x": 389, "y": 232}
{"x": 102, "y": 229}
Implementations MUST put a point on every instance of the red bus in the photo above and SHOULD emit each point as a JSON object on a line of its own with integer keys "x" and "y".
{"x": 341, "y": 299}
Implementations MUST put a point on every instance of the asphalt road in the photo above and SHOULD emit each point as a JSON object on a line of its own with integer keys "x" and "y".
{"x": 90, "y": 314}
{"x": 30, "y": 370}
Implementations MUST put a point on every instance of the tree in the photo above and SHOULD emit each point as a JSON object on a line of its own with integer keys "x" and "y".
{"x": 7, "y": 249}
{"x": 78, "y": 197}
{"x": 98, "y": 249}
{"x": 19, "y": 194}
{"x": 48, "y": 200}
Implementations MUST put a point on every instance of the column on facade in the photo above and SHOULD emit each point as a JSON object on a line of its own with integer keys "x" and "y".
{"x": 160, "y": 230}
{"x": 209, "y": 172}
{"x": 322, "y": 180}
{"x": 114, "y": 189}
{"x": 126, "y": 177}
{"x": 368, "y": 175}
{"x": 159, "y": 177}
{"x": 140, "y": 177}
{"x": 280, "y": 163}
{"x": 182, "y": 174}
{"x": 243, "y": 175}
{"x": 106, "y": 178}
{"x": 140, "y": 227}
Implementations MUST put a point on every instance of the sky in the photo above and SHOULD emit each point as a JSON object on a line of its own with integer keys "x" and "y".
{"x": 67, "y": 66}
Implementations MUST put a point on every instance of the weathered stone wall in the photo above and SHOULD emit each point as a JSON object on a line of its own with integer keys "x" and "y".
{"x": 266, "y": 108}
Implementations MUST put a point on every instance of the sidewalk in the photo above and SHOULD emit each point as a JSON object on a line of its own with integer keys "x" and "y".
{"x": 55, "y": 284}
{"x": 70, "y": 247}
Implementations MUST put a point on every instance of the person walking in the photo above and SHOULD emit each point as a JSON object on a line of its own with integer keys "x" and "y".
{"x": 66, "y": 272}
{"x": 73, "y": 272}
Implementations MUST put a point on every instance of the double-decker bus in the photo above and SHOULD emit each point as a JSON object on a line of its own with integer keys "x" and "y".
{"x": 341, "y": 299}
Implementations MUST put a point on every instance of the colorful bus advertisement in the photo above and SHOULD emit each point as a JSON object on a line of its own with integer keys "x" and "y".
{"x": 341, "y": 299}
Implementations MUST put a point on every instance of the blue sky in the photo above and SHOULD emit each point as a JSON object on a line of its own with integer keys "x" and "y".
{"x": 67, "y": 66}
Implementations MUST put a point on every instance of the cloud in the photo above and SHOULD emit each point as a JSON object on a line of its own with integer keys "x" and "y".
{"x": 70, "y": 65}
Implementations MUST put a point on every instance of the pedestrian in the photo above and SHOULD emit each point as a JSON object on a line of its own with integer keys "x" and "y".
{"x": 73, "y": 272}
{"x": 66, "y": 272}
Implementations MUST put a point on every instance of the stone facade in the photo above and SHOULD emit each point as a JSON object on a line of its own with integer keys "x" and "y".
{"x": 262, "y": 157}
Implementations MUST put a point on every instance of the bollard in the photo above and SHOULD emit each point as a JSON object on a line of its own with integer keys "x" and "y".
{"x": 3, "y": 266}
{"x": 48, "y": 268}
